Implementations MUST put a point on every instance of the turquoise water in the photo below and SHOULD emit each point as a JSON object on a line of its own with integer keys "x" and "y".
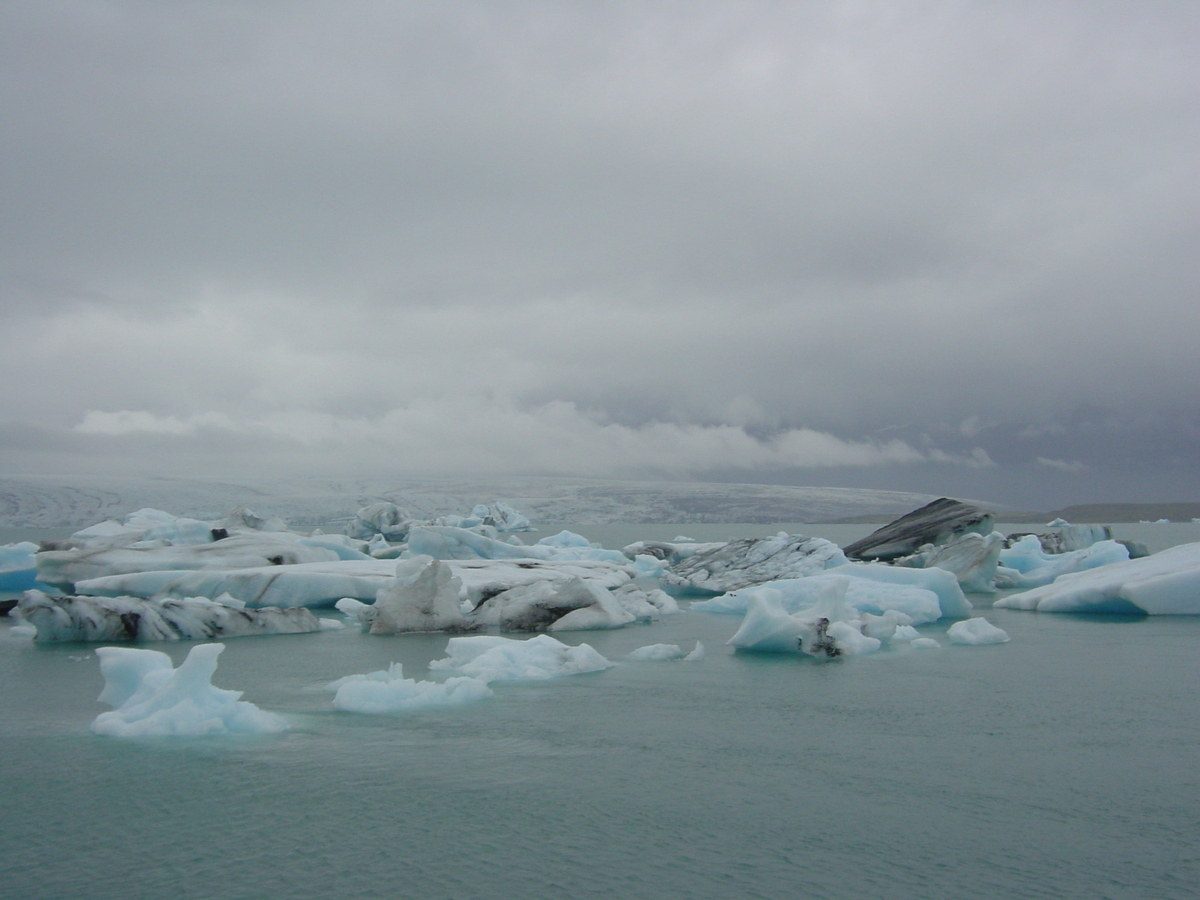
{"x": 1060, "y": 765}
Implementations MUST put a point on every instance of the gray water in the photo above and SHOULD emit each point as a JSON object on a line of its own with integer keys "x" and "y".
{"x": 1059, "y": 765}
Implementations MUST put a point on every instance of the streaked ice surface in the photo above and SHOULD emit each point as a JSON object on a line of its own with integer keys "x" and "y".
{"x": 1061, "y": 765}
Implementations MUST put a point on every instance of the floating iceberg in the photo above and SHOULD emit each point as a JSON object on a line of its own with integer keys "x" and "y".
{"x": 425, "y": 595}
{"x": 550, "y": 606}
{"x": 388, "y": 691}
{"x": 923, "y": 595}
{"x": 491, "y": 658}
{"x": 976, "y": 632}
{"x": 939, "y": 522}
{"x": 65, "y": 568}
{"x": 154, "y": 699}
{"x": 69, "y": 618}
{"x": 830, "y": 628}
{"x": 18, "y": 571}
{"x": 750, "y": 561}
{"x": 1026, "y": 564}
{"x": 973, "y": 559}
{"x": 1166, "y": 583}
{"x": 660, "y": 652}
{"x": 383, "y": 518}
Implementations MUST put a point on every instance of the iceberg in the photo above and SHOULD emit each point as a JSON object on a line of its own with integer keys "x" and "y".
{"x": 1026, "y": 563}
{"x": 973, "y": 558}
{"x": 939, "y": 522}
{"x": 828, "y": 629}
{"x": 65, "y": 568}
{"x": 70, "y": 618}
{"x": 661, "y": 652}
{"x": 554, "y": 606}
{"x": 1166, "y": 583}
{"x": 18, "y": 570}
{"x": 388, "y": 691}
{"x": 424, "y": 596}
{"x": 490, "y": 658}
{"x": 976, "y": 632}
{"x": 151, "y": 698}
{"x": 751, "y": 561}
{"x": 384, "y": 518}
{"x": 923, "y": 595}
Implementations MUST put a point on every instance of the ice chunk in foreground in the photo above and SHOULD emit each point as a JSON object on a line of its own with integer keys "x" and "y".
{"x": 134, "y": 619}
{"x": 388, "y": 691}
{"x": 491, "y": 658}
{"x": 153, "y": 699}
{"x": 1164, "y": 584}
{"x": 976, "y": 631}
{"x": 752, "y": 561}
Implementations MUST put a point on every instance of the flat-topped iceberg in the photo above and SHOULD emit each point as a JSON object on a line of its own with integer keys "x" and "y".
{"x": 65, "y": 568}
{"x": 70, "y": 618}
{"x": 491, "y": 658}
{"x": 750, "y": 561}
{"x": 152, "y": 698}
{"x": 317, "y": 585}
{"x": 1166, "y": 583}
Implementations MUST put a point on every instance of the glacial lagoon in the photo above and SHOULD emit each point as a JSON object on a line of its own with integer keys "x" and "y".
{"x": 1061, "y": 764}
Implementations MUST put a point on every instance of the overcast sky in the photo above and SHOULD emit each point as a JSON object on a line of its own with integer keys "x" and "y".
{"x": 937, "y": 246}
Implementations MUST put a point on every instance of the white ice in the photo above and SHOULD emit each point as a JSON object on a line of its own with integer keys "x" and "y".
{"x": 924, "y": 595}
{"x": 425, "y": 595}
{"x": 1166, "y": 583}
{"x": 492, "y": 658}
{"x": 388, "y": 691}
{"x": 662, "y": 652}
{"x": 976, "y": 631}
{"x": 154, "y": 699}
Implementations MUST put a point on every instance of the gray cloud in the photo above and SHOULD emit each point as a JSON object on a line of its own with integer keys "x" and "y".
{"x": 612, "y": 236}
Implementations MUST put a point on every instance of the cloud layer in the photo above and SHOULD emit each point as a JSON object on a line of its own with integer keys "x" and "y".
{"x": 801, "y": 241}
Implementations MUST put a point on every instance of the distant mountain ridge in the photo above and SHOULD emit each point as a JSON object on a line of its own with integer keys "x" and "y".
{"x": 70, "y": 502}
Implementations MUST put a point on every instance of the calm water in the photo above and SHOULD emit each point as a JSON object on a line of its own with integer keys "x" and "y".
{"x": 1060, "y": 765}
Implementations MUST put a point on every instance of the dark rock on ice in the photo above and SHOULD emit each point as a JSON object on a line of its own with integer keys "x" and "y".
{"x": 70, "y": 618}
{"x": 936, "y": 523}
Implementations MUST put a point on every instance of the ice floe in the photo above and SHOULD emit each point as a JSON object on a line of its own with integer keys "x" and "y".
{"x": 152, "y": 698}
